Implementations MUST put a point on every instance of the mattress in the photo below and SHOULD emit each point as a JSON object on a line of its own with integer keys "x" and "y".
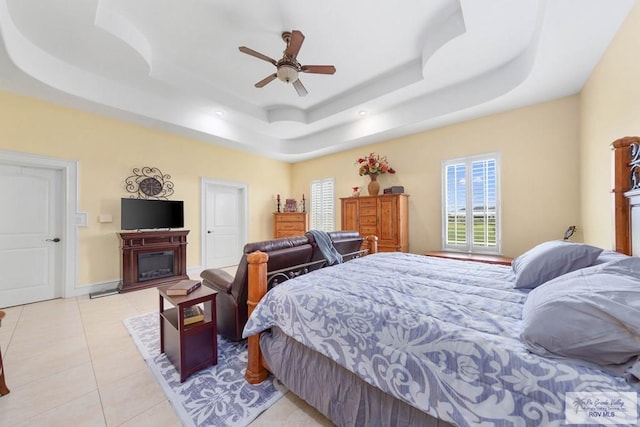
{"x": 438, "y": 334}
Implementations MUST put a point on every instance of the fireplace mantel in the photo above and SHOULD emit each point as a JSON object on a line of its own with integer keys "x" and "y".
{"x": 148, "y": 242}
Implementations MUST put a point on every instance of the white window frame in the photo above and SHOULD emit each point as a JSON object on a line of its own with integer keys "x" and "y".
{"x": 322, "y": 204}
{"x": 469, "y": 245}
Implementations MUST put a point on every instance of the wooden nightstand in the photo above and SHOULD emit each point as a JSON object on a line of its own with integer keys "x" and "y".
{"x": 188, "y": 347}
{"x": 463, "y": 256}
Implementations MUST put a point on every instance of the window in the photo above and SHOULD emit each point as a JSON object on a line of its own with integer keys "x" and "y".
{"x": 322, "y": 204}
{"x": 471, "y": 213}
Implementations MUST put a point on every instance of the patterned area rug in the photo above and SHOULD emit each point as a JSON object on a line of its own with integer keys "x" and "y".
{"x": 215, "y": 396}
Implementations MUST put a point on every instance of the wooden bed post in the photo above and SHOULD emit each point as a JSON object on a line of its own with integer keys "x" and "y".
{"x": 256, "y": 372}
{"x": 622, "y": 184}
{"x": 256, "y": 367}
{"x": 372, "y": 243}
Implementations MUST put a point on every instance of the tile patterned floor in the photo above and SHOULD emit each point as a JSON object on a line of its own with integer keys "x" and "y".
{"x": 72, "y": 362}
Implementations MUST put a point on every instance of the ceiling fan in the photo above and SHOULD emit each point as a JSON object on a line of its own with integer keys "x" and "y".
{"x": 288, "y": 67}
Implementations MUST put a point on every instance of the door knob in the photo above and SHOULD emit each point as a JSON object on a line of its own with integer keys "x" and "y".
{"x": 209, "y": 232}
{"x": 54, "y": 240}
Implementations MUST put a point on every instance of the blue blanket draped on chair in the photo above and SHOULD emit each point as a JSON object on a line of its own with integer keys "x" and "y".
{"x": 326, "y": 247}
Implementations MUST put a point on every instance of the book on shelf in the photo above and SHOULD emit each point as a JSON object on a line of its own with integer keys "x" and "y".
{"x": 193, "y": 314}
{"x": 183, "y": 287}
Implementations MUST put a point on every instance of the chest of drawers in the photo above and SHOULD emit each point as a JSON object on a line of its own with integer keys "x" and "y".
{"x": 288, "y": 224}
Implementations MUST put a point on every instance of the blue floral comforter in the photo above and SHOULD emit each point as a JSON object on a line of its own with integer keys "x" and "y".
{"x": 442, "y": 335}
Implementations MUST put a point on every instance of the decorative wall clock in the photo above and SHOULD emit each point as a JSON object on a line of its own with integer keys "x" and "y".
{"x": 149, "y": 183}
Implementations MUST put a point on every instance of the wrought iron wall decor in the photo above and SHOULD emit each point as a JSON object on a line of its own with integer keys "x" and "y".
{"x": 634, "y": 164}
{"x": 149, "y": 183}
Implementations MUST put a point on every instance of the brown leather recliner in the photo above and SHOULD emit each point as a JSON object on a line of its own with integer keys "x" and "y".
{"x": 231, "y": 301}
{"x": 346, "y": 242}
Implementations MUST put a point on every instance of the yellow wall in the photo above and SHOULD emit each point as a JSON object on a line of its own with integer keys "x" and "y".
{"x": 556, "y": 164}
{"x": 108, "y": 150}
{"x": 610, "y": 109}
{"x": 540, "y": 166}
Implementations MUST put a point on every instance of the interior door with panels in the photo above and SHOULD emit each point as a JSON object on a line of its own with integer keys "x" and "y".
{"x": 224, "y": 226}
{"x": 31, "y": 244}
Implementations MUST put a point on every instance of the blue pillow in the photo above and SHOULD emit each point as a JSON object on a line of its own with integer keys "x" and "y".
{"x": 551, "y": 259}
{"x": 592, "y": 314}
{"x": 608, "y": 255}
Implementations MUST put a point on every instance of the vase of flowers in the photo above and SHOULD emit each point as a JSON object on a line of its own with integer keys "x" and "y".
{"x": 373, "y": 165}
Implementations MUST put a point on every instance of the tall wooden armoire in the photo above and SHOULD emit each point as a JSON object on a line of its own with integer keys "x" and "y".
{"x": 386, "y": 216}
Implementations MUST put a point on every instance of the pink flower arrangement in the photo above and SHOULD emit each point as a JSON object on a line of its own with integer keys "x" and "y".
{"x": 373, "y": 164}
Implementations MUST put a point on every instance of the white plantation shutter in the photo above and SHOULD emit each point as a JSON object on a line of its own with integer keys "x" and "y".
{"x": 455, "y": 205}
{"x": 322, "y": 204}
{"x": 483, "y": 197}
{"x": 471, "y": 220}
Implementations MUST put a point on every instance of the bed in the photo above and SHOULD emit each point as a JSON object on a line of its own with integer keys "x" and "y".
{"x": 404, "y": 339}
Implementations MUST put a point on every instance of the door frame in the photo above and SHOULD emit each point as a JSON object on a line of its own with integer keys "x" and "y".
{"x": 243, "y": 188}
{"x": 71, "y": 218}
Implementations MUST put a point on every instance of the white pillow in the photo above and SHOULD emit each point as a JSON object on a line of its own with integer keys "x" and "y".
{"x": 551, "y": 259}
{"x": 592, "y": 314}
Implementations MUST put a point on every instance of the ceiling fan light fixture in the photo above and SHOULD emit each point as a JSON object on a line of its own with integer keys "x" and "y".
{"x": 288, "y": 67}
{"x": 287, "y": 73}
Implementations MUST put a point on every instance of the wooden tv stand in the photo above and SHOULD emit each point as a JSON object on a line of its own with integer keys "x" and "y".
{"x": 149, "y": 242}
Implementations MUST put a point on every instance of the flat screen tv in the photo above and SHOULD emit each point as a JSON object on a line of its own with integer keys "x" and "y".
{"x": 142, "y": 214}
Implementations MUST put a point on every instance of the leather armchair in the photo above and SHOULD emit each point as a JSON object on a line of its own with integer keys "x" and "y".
{"x": 346, "y": 242}
{"x": 231, "y": 301}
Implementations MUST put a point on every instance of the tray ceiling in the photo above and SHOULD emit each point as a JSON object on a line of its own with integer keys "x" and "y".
{"x": 401, "y": 67}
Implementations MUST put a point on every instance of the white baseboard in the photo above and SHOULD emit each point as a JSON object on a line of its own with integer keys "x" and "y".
{"x": 93, "y": 288}
{"x": 110, "y": 285}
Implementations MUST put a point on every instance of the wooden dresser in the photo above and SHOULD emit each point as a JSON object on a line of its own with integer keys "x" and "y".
{"x": 386, "y": 216}
{"x": 287, "y": 224}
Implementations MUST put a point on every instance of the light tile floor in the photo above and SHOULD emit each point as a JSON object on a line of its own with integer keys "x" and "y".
{"x": 71, "y": 362}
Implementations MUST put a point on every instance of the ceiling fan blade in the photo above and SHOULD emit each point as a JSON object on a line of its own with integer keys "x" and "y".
{"x": 266, "y": 80}
{"x": 300, "y": 88}
{"x": 295, "y": 42}
{"x": 318, "y": 69}
{"x": 258, "y": 55}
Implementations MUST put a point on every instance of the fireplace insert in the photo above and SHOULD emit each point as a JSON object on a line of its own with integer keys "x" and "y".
{"x": 155, "y": 265}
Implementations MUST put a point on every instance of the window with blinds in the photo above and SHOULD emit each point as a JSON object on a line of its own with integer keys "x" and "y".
{"x": 471, "y": 193}
{"x": 323, "y": 204}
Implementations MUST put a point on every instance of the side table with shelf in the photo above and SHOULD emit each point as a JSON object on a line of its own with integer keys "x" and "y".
{"x": 188, "y": 347}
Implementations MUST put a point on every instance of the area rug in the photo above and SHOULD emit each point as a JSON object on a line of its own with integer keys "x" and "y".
{"x": 216, "y": 396}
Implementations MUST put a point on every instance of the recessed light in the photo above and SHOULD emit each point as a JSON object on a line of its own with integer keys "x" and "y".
{"x": 362, "y": 113}
{"x": 220, "y": 113}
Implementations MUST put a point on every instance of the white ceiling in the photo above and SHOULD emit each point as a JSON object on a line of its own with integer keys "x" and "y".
{"x": 410, "y": 65}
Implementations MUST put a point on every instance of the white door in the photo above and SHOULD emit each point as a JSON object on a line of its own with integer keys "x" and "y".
{"x": 224, "y": 224}
{"x": 31, "y": 244}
